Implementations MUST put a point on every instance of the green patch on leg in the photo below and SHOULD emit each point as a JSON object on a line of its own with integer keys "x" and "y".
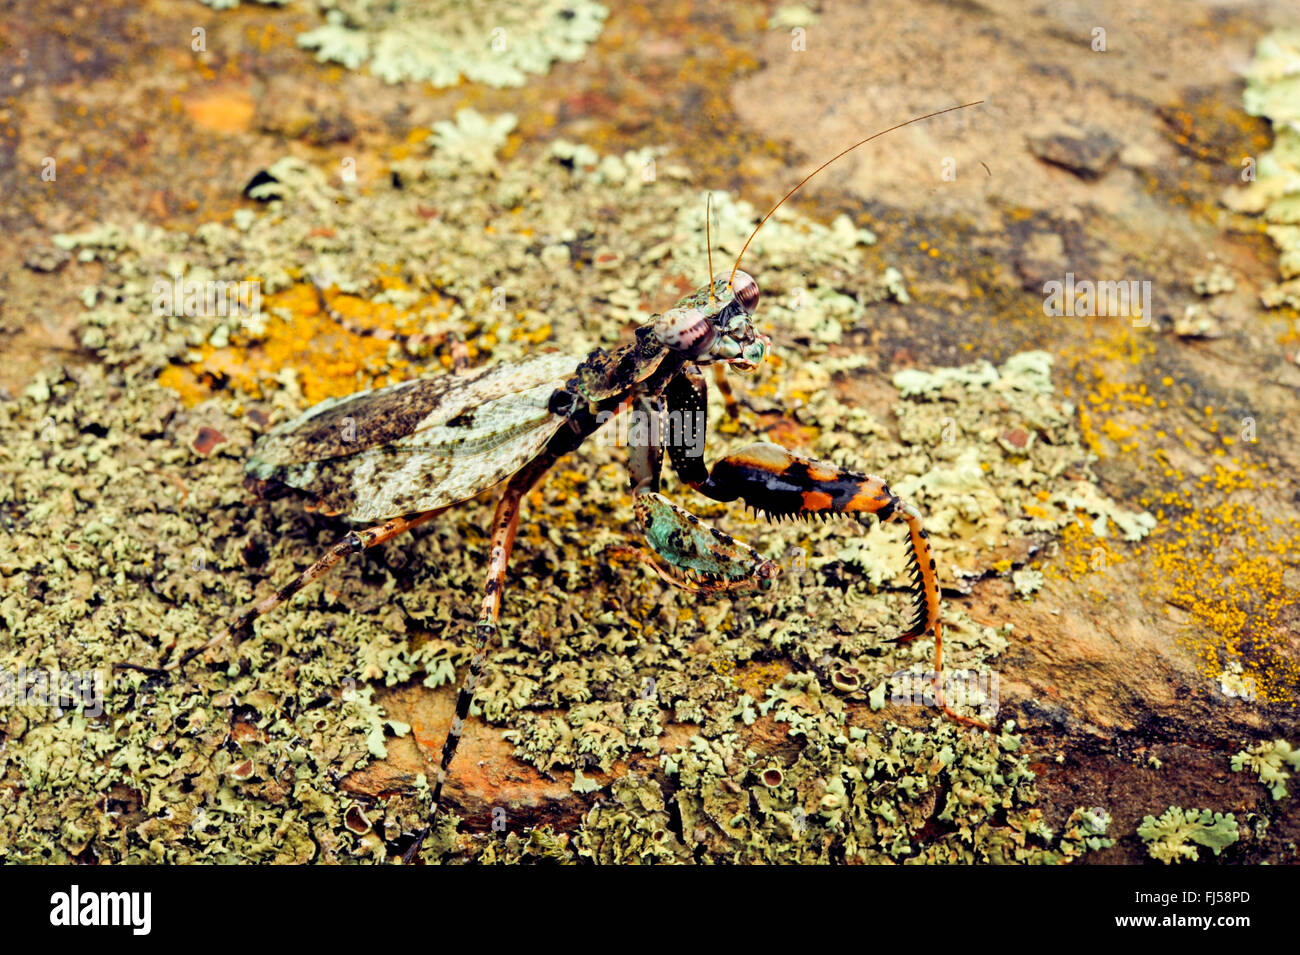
{"x": 690, "y": 544}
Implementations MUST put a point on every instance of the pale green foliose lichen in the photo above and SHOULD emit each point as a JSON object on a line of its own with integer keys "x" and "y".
{"x": 470, "y": 139}
{"x": 1269, "y": 761}
{"x": 856, "y": 795}
{"x": 442, "y": 41}
{"x": 791, "y": 15}
{"x": 1273, "y": 190}
{"x": 1168, "y": 837}
{"x": 1027, "y": 581}
{"x": 1234, "y": 683}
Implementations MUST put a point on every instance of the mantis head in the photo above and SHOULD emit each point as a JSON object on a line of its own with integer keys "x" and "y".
{"x": 713, "y": 324}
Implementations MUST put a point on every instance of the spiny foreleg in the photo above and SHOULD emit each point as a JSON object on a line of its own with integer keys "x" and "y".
{"x": 781, "y": 484}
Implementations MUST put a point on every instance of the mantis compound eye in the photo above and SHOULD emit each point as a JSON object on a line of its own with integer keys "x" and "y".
{"x": 745, "y": 289}
{"x": 686, "y": 330}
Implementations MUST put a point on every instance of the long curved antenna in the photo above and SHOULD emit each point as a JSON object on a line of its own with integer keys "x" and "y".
{"x": 844, "y": 152}
{"x": 708, "y": 238}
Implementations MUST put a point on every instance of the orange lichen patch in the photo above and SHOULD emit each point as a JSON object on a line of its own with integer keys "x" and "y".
{"x": 1112, "y": 408}
{"x": 1080, "y": 552}
{"x": 1292, "y": 334}
{"x": 757, "y": 679}
{"x": 187, "y": 383}
{"x": 723, "y": 666}
{"x": 330, "y": 359}
{"x": 1107, "y": 418}
{"x": 1205, "y": 128}
{"x": 561, "y": 485}
{"x": 534, "y": 336}
{"x": 264, "y": 37}
{"x": 1229, "y": 565}
{"x": 223, "y": 110}
{"x": 1217, "y": 554}
{"x": 789, "y": 434}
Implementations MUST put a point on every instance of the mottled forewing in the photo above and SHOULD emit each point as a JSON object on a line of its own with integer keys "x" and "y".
{"x": 417, "y": 445}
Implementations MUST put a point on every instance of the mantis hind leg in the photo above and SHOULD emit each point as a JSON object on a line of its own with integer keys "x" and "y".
{"x": 353, "y": 543}
{"x": 504, "y": 525}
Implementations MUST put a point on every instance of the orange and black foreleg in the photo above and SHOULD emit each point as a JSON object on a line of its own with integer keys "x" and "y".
{"x": 781, "y": 484}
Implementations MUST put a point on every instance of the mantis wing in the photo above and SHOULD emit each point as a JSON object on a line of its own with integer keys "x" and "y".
{"x": 417, "y": 445}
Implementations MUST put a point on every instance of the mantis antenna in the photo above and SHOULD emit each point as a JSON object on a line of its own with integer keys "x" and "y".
{"x": 708, "y": 240}
{"x": 800, "y": 184}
